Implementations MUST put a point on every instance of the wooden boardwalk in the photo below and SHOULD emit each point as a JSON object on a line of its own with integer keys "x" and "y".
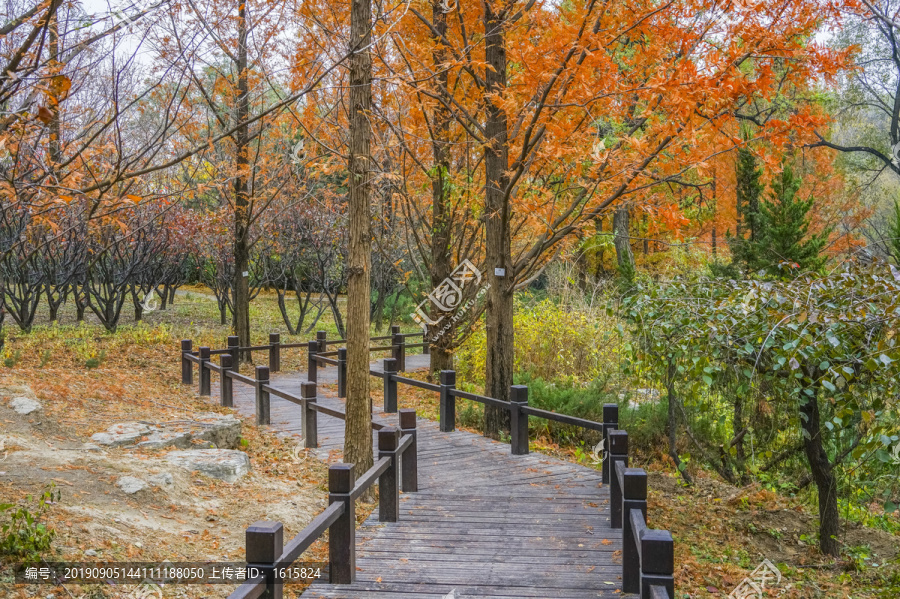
{"x": 484, "y": 523}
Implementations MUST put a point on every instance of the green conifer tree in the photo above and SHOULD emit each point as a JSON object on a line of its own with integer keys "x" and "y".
{"x": 783, "y": 244}
{"x": 749, "y": 190}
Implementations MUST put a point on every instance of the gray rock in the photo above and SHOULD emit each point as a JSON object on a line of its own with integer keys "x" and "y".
{"x": 24, "y": 405}
{"x": 225, "y": 464}
{"x": 161, "y": 480}
{"x": 130, "y": 484}
{"x": 161, "y": 439}
{"x": 223, "y": 430}
{"x": 123, "y": 433}
{"x": 91, "y": 553}
{"x": 91, "y": 447}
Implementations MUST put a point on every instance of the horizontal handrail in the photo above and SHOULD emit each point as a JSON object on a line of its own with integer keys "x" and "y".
{"x": 321, "y": 358}
{"x": 311, "y": 533}
{"x": 480, "y": 398}
{"x": 368, "y": 479}
{"x": 620, "y": 473}
{"x": 336, "y": 341}
{"x": 405, "y": 443}
{"x": 213, "y": 366}
{"x": 192, "y": 357}
{"x": 283, "y": 394}
{"x": 416, "y": 383}
{"x": 294, "y": 345}
{"x": 564, "y": 418}
{"x": 333, "y": 352}
{"x": 237, "y": 376}
{"x": 381, "y": 348}
{"x": 330, "y": 411}
{"x": 638, "y": 528}
{"x": 253, "y": 588}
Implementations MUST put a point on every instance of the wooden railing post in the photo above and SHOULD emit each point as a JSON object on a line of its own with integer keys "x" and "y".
{"x": 657, "y": 562}
{"x": 388, "y": 492}
{"x": 618, "y": 452}
{"x": 322, "y": 341}
{"x": 426, "y": 347}
{"x": 518, "y": 420}
{"x": 398, "y": 348}
{"x": 447, "y": 401}
{"x": 409, "y": 461}
{"x": 263, "y": 409}
{"x": 187, "y": 367}
{"x": 634, "y": 497}
{"x": 610, "y": 423}
{"x": 264, "y": 544}
{"x": 204, "y": 371}
{"x": 342, "y": 372}
{"x": 274, "y": 352}
{"x": 310, "y": 430}
{"x": 232, "y": 342}
{"x": 311, "y": 364}
{"x": 390, "y": 385}
{"x": 226, "y": 385}
{"x": 342, "y": 534}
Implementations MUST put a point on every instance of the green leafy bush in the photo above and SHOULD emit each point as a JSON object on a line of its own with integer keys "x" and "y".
{"x": 24, "y": 536}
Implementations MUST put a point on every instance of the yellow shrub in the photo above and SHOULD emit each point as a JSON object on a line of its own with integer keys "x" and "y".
{"x": 552, "y": 343}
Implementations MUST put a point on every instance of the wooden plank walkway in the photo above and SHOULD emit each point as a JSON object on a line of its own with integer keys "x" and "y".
{"x": 484, "y": 523}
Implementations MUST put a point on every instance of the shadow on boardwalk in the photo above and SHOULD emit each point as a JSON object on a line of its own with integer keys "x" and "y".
{"x": 484, "y": 523}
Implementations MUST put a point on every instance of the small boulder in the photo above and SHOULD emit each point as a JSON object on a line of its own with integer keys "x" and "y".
{"x": 131, "y": 485}
{"x": 24, "y": 405}
{"x": 225, "y": 464}
{"x": 161, "y": 439}
{"x": 162, "y": 479}
{"x": 222, "y": 430}
{"x": 123, "y": 433}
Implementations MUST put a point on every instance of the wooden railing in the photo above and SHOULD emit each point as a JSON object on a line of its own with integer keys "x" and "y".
{"x": 647, "y": 554}
{"x": 396, "y": 469}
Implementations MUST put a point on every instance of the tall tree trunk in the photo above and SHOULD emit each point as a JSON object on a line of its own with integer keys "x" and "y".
{"x": 822, "y": 472}
{"x": 241, "y": 286}
{"x": 622, "y": 241}
{"x": 441, "y": 352}
{"x": 357, "y": 429}
{"x": 499, "y": 308}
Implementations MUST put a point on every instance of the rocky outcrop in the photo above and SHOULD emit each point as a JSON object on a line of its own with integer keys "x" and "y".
{"x": 224, "y": 464}
{"x": 208, "y": 430}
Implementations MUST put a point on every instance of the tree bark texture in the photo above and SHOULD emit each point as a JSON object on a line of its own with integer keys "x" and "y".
{"x": 499, "y": 308}
{"x": 357, "y": 428}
